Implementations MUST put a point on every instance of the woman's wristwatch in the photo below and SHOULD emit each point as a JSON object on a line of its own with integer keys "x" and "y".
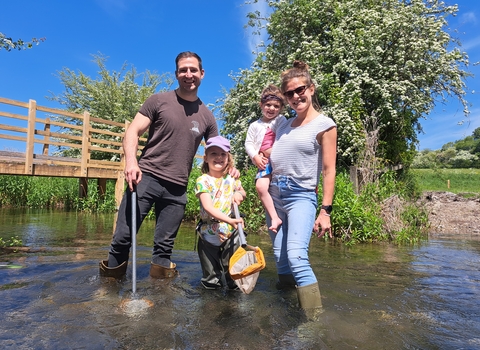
{"x": 328, "y": 209}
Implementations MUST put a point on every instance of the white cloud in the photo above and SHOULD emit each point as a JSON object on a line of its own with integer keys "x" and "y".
{"x": 253, "y": 40}
{"x": 471, "y": 44}
{"x": 113, "y": 8}
{"x": 468, "y": 17}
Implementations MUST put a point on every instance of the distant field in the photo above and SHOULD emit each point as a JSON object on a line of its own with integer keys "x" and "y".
{"x": 460, "y": 180}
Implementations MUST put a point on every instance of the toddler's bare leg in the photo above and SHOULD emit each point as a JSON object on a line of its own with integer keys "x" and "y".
{"x": 262, "y": 185}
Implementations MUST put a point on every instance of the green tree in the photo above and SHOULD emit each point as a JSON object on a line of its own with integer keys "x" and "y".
{"x": 386, "y": 61}
{"x": 444, "y": 156}
{"x": 425, "y": 159}
{"x": 476, "y": 148}
{"x": 9, "y": 44}
{"x": 476, "y": 134}
{"x": 114, "y": 96}
{"x": 464, "y": 159}
{"x": 466, "y": 144}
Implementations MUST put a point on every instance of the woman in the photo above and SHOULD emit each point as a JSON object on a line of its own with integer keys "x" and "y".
{"x": 304, "y": 148}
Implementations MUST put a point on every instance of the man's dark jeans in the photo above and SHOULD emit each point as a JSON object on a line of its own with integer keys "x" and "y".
{"x": 169, "y": 200}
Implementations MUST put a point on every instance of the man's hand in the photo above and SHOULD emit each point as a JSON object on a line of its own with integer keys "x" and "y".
{"x": 234, "y": 172}
{"x": 133, "y": 175}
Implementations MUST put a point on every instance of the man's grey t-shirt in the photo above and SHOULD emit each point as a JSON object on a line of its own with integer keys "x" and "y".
{"x": 177, "y": 129}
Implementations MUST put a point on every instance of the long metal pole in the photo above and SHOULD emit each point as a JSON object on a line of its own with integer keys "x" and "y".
{"x": 134, "y": 240}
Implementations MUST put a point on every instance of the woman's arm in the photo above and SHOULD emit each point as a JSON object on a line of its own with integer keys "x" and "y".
{"x": 328, "y": 140}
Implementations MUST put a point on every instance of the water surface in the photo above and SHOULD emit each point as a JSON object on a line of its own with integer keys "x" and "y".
{"x": 374, "y": 296}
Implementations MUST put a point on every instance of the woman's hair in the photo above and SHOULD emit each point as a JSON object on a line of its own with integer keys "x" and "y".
{"x": 230, "y": 164}
{"x": 272, "y": 92}
{"x": 300, "y": 71}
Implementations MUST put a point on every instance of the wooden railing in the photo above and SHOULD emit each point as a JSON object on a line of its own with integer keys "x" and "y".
{"x": 40, "y": 137}
{"x": 45, "y": 141}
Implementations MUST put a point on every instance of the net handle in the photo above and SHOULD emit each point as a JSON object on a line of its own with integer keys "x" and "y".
{"x": 241, "y": 234}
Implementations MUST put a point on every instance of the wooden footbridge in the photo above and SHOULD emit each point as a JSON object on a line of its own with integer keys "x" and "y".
{"x": 45, "y": 141}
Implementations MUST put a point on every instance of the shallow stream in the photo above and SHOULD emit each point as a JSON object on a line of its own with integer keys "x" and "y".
{"x": 374, "y": 296}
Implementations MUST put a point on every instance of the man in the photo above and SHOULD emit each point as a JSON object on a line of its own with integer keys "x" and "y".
{"x": 176, "y": 121}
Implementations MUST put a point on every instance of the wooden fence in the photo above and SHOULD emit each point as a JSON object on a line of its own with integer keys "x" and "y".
{"x": 52, "y": 142}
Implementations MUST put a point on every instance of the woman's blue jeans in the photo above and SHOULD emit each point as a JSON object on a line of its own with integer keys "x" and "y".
{"x": 296, "y": 207}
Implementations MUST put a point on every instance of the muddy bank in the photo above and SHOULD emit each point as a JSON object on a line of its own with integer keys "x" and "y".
{"x": 451, "y": 213}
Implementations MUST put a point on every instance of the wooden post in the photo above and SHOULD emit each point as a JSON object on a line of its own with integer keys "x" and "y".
{"x": 102, "y": 187}
{"x": 32, "y": 109}
{"x": 85, "y": 144}
{"x": 119, "y": 188}
{"x": 47, "y": 137}
{"x": 448, "y": 183}
{"x": 354, "y": 178}
{"x": 120, "y": 184}
{"x": 82, "y": 187}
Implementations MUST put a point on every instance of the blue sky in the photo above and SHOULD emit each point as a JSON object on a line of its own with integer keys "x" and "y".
{"x": 148, "y": 34}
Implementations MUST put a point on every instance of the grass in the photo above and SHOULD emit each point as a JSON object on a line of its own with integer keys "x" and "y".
{"x": 450, "y": 180}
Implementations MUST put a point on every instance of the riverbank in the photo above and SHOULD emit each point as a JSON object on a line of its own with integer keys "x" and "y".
{"x": 450, "y": 213}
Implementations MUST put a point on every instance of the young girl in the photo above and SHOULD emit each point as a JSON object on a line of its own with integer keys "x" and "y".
{"x": 217, "y": 191}
{"x": 258, "y": 145}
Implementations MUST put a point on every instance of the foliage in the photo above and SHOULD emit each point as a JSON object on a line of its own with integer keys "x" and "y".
{"x": 192, "y": 210}
{"x": 114, "y": 96}
{"x": 367, "y": 217}
{"x": 11, "y": 242}
{"x": 94, "y": 202}
{"x": 44, "y": 192}
{"x": 384, "y": 59}
{"x": 464, "y": 159}
{"x": 415, "y": 224}
{"x": 9, "y": 44}
{"x": 355, "y": 217}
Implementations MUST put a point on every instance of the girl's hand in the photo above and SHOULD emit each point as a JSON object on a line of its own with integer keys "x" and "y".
{"x": 234, "y": 222}
{"x": 238, "y": 197}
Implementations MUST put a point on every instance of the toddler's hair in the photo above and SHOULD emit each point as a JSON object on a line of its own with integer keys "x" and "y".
{"x": 272, "y": 92}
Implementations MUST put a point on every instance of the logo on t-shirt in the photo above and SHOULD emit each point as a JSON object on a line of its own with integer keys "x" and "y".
{"x": 195, "y": 127}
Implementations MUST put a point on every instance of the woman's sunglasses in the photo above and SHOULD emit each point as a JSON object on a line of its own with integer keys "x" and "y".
{"x": 299, "y": 91}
